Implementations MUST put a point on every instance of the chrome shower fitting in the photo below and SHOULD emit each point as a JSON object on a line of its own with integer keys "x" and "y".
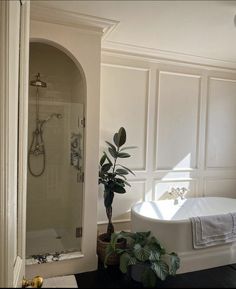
{"x": 57, "y": 115}
{"x": 37, "y": 146}
{"x": 38, "y": 82}
{"x": 43, "y": 122}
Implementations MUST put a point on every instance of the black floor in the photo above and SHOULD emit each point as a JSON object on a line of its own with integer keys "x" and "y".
{"x": 220, "y": 277}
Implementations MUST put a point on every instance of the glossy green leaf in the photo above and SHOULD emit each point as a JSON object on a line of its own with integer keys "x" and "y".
{"x": 106, "y": 167}
{"x": 174, "y": 263}
{"x": 120, "y": 181}
{"x": 121, "y": 175}
{"x": 118, "y": 189}
{"x": 121, "y": 184}
{"x": 123, "y": 155}
{"x": 112, "y": 152}
{"x": 102, "y": 160}
{"x": 126, "y": 169}
{"x": 127, "y": 183}
{"x": 122, "y": 172}
{"x": 154, "y": 244}
{"x": 116, "y": 139}
{"x": 111, "y": 145}
{"x": 154, "y": 256}
{"x": 120, "y": 137}
{"x": 107, "y": 157}
{"x": 161, "y": 269}
{"x": 127, "y": 148}
{"x": 141, "y": 253}
{"x": 124, "y": 261}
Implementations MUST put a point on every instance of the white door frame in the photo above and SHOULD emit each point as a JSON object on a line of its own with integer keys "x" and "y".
{"x": 13, "y": 149}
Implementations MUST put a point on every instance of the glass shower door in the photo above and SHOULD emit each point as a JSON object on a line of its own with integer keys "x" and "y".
{"x": 55, "y": 198}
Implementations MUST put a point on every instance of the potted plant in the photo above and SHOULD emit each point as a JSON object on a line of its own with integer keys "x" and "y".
{"x": 144, "y": 258}
{"x": 112, "y": 175}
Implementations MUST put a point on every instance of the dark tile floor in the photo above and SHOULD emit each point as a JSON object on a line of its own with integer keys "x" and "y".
{"x": 220, "y": 277}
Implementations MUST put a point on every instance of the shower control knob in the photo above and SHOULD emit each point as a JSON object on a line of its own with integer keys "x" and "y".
{"x": 36, "y": 282}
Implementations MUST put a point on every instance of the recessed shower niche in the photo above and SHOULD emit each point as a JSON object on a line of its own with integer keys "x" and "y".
{"x": 55, "y": 155}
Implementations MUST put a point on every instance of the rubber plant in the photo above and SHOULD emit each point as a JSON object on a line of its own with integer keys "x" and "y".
{"x": 144, "y": 250}
{"x": 113, "y": 175}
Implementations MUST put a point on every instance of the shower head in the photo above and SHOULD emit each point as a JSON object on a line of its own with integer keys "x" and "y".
{"x": 37, "y": 82}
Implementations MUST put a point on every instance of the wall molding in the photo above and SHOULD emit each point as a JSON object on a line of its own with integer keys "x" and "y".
{"x": 222, "y": 79}
{"x": 132, "y": 67}
{"x": 85, "y": 22}
{"x": 201, "y": 72}
{"x": 157, "y": 169}
{"x": 13, "y": 20}
{"x": 153, "y": 54}
{"x": 213, "y": 179}
{"x": 206, "y": 166}
{"x": 115, "y": 221}
{"x": 169, "y": 72}
{"x": 22, "y": 141}
{"x": 147, "y": 97}
{"x": 4, "y": 60}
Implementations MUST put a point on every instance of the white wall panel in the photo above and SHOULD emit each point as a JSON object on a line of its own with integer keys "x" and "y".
{"x": 221, "y": 124}
{"x": 178, "y": 134}
{"x": 220, "y": 188}
{"x": 177, "y": 124}
{"x": 124, "y": 96}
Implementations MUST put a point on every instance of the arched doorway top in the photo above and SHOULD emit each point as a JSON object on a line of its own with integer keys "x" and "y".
{"x": 66, "y": 51}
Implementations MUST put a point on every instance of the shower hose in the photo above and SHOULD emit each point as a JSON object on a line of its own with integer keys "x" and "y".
{"x": 37, "y": 149}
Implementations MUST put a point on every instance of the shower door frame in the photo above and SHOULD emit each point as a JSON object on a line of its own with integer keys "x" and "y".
{"x": 13, "y": 111}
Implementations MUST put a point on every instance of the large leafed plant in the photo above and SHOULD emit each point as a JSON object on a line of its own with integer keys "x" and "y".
{"x": 144, "y": 249}
{"x": 112, "y": 175}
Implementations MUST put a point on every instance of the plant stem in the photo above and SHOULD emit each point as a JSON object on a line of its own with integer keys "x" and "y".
{"x": 115, "y": 160}
{"x": 110, "y": 227}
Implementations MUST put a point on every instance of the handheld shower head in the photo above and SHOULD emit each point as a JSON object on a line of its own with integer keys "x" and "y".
{"x": 57, "y": 115}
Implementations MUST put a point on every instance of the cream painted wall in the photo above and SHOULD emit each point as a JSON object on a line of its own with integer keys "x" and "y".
{"x": 182, "y": 119}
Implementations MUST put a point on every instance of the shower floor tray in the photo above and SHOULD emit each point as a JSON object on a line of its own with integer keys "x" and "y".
{"x": 43, "y": 242}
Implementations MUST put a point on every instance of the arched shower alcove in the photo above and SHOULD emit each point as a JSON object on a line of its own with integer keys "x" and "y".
{"x": 79, "y": 39}
{"x": 57, "y": 99}
{"x": 57, "y": 191}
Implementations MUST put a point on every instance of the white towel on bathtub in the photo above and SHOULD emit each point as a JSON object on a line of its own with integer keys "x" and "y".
{"x": 213, "y": 230}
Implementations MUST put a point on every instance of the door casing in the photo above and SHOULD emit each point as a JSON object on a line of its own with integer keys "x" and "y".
{"x": 14, "y": 54}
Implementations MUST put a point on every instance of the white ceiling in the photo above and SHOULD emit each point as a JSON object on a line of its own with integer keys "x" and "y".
{"x": 198, "y": 28}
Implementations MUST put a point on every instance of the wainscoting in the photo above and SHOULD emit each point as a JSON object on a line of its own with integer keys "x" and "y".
{"x": 181, "y": 117}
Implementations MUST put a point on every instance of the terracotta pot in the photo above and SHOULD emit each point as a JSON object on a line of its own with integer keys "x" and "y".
{"x": 102, "y": 244}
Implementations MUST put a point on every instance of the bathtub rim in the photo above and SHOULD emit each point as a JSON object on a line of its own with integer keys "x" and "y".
{"x": 156, "y": 220}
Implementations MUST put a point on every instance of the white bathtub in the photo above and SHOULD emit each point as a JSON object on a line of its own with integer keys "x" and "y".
{"x": 169, "y": 221}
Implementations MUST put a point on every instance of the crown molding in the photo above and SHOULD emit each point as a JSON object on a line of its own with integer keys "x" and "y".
{"x": 162, "y": 55}
{"x": 94, "y": 24}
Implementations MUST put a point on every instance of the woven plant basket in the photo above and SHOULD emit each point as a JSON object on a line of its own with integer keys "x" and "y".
{"x": 113, "y": 259}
